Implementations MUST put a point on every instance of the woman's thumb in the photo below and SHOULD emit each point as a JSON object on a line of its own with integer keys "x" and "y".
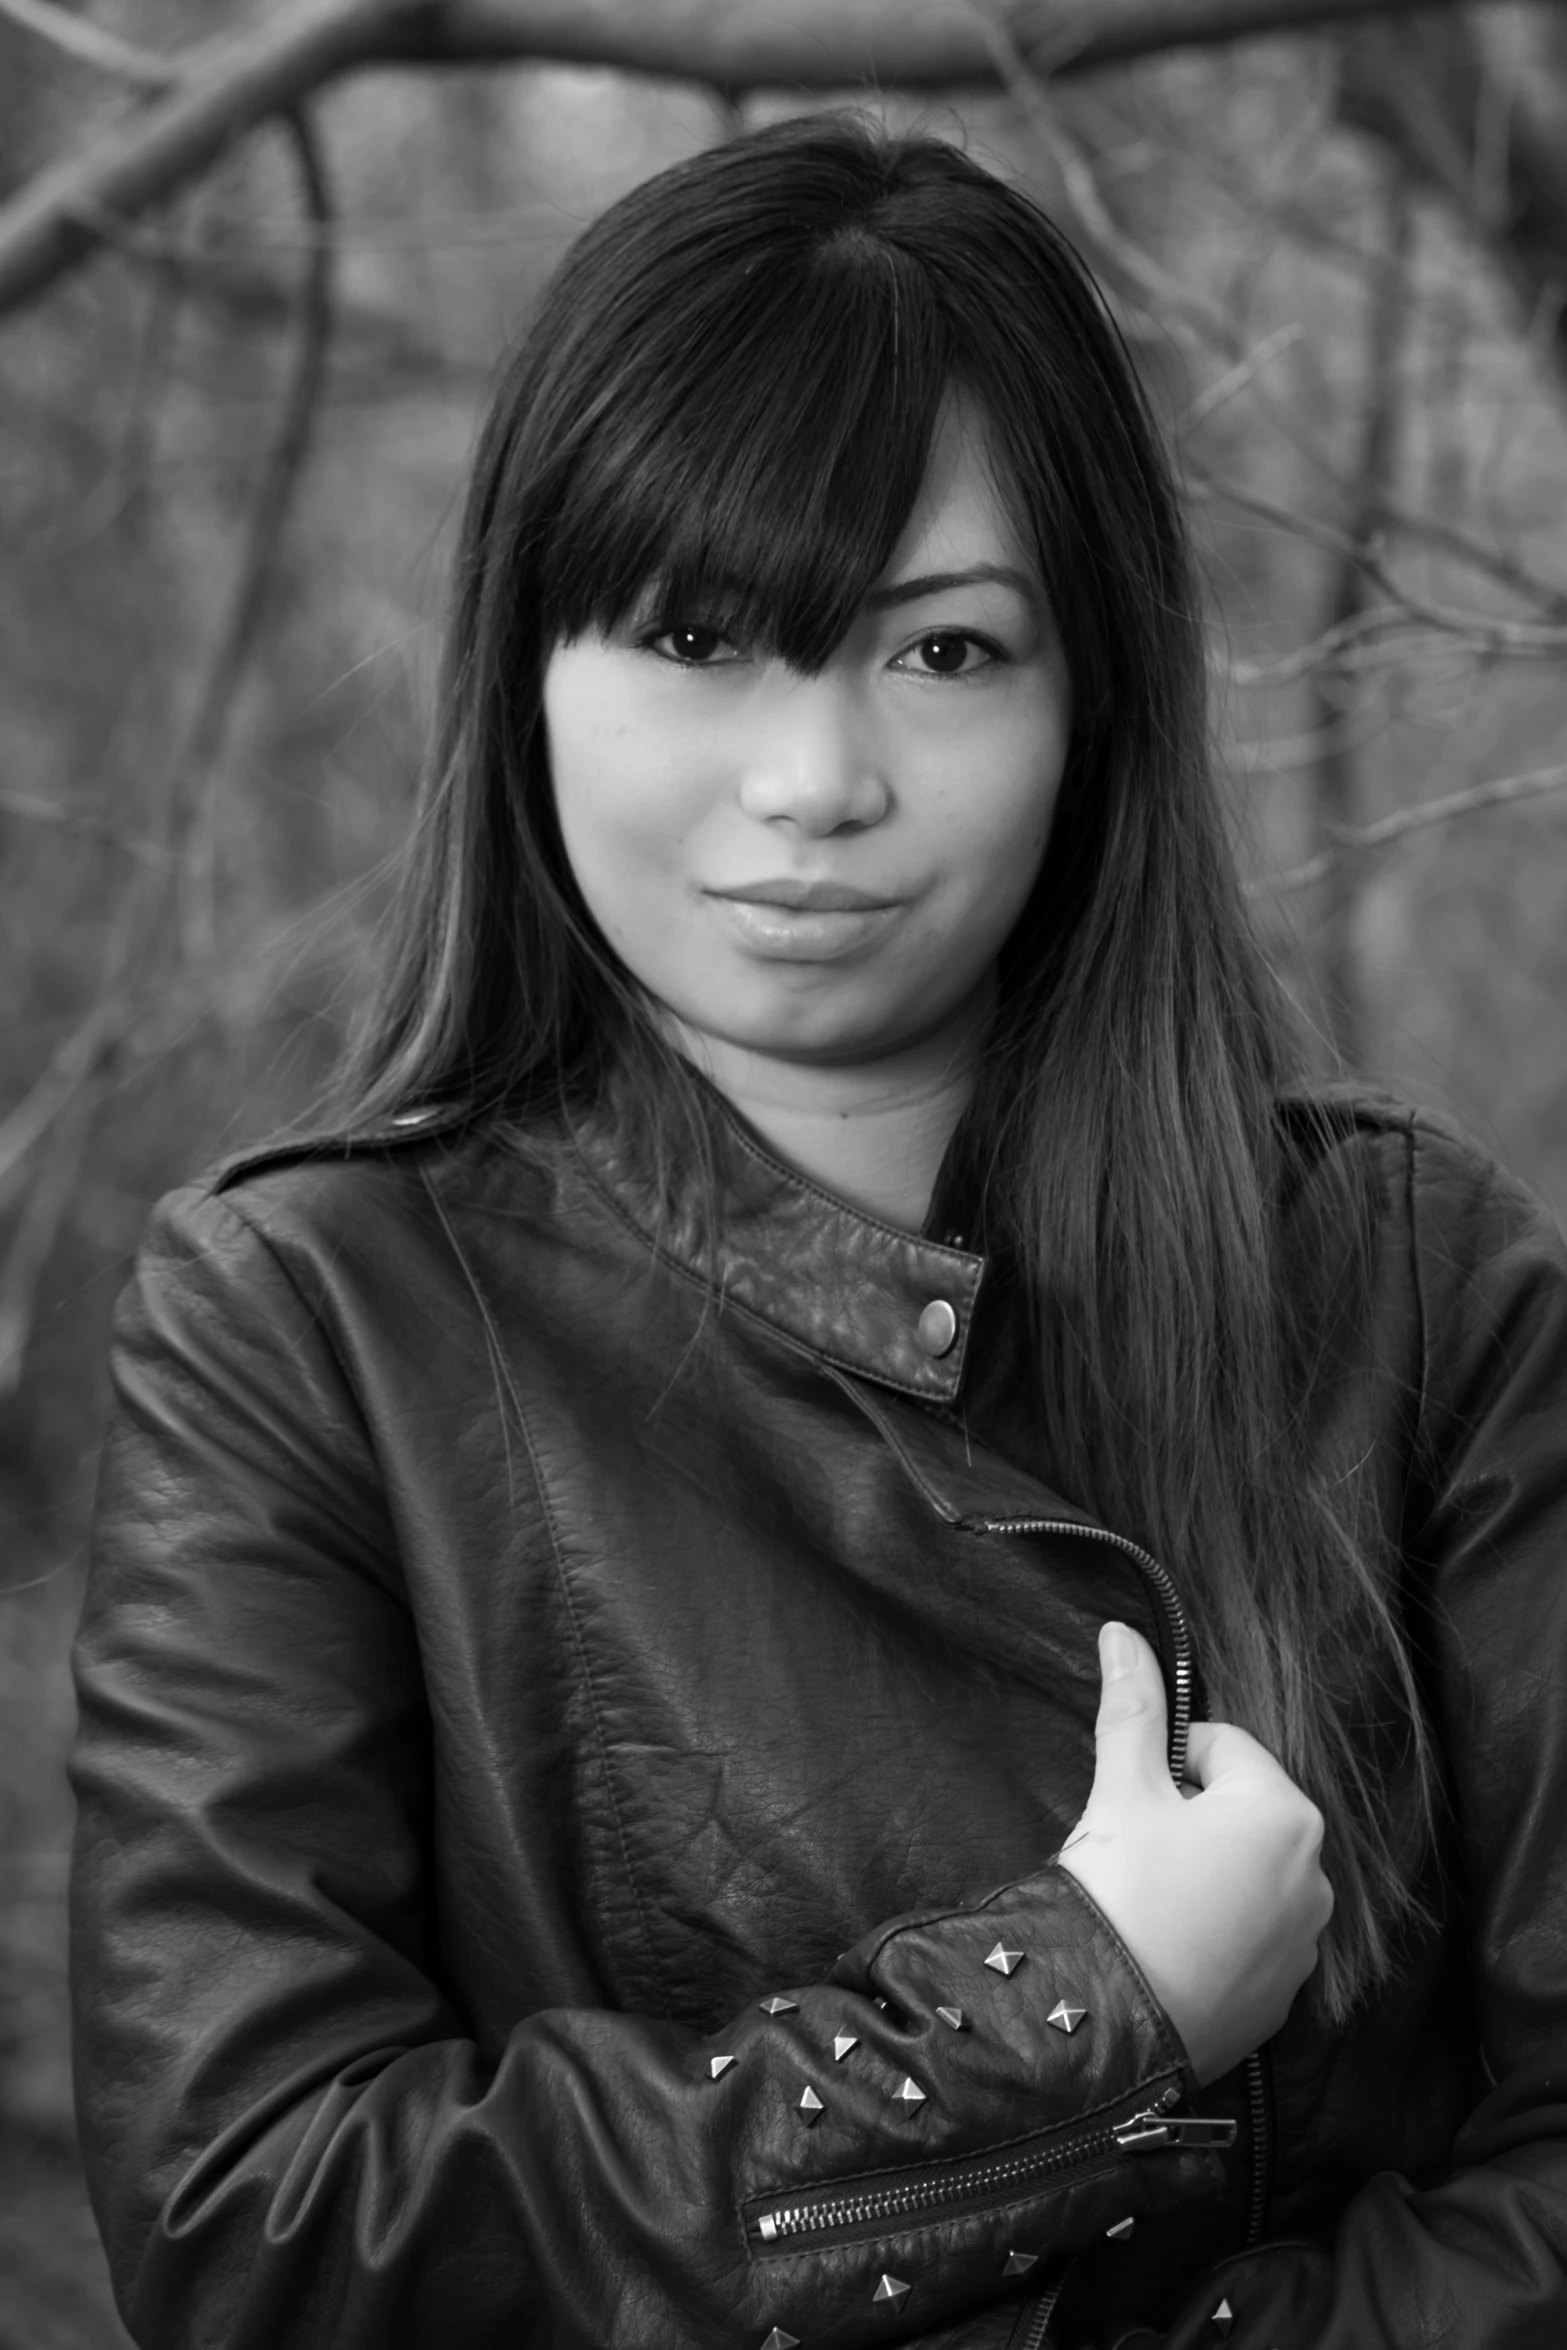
{"x": 1132, "y": 1731}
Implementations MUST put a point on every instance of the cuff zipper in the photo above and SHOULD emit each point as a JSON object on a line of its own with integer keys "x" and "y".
{"x": 920, "y": 2199}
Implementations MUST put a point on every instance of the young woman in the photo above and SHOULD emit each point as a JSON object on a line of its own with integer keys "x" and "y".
{"x": 593, "y": 1832}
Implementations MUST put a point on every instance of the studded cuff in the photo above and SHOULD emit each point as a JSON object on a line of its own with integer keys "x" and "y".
{"x": 1036, "y": 1958}
{"x": 984, "y": 2107}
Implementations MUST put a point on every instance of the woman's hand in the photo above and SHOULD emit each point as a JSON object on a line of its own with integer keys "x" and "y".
{"x": 1219, "y": 1897}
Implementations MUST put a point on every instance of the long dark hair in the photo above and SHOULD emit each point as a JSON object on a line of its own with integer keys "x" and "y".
{"x": 729, "y": 391}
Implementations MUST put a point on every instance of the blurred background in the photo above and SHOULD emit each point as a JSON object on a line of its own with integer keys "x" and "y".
{"x": 257, "y": 267}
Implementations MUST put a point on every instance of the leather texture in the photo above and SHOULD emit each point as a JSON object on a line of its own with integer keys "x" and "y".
{"x": 534, "y": 1620}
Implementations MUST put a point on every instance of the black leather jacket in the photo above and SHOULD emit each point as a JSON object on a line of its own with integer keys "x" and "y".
{"x": 520, "y": 1658}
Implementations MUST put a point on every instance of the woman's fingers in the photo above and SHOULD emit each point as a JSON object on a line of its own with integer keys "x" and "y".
{"x": 1131, "y": 1734}
{"x": 1220, "y": 1898}
{"x": 1220, "y": 1750}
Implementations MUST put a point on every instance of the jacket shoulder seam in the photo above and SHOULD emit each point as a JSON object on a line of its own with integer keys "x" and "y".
{"x": 401, "y": 1133}
{"x": 1352, "y": 1109}
{"x": 279, "y": 1264}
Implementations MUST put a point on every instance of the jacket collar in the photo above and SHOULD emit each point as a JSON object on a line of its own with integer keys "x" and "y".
{"x": 891, "y": 1306}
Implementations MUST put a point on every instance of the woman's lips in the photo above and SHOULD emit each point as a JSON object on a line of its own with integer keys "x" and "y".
{"x": 818, "y": 923}
{"x": 816, "y": 897}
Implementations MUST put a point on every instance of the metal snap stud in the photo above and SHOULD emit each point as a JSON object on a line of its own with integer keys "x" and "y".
{"x": 938, "y": 1327}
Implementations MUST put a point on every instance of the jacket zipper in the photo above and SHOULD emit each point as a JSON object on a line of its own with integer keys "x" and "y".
{"x": 1150, "y": 2129}
{"x": 1257, "y": 2111}
{"x": 1162, "y": 1584}
{"x": 1035, "y": 2329}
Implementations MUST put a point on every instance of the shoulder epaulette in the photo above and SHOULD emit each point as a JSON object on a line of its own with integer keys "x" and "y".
{"x": 399, "y": 1132}
{"x": 1344, "y": 1107}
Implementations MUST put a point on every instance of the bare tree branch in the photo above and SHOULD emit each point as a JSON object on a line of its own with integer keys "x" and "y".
{"x": 1337, "y": 783}
{"x": 1501, "y": 636}
{"x": 86, "y": 822}
{"x": 68, "y": 1069}
{"x": 1369, "y": 641}
{"x": 229, "y": 85}
{"x": 1491, "y": 562}
{"x": 89, "y": 44}
{"x": 1240, "y": 376}
{"x": 140, "y": 918}
{"x": 194, "y": 780}
{"x": 1440, "y": 101}
{"x": 37, "y": 1228}
{"x": 1538, "y": 783}
{"x": 1206, "y": 330}
{"x": 113, "y": 497}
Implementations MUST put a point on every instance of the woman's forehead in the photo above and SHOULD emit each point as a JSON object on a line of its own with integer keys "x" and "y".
{"x": 962, "y": 520}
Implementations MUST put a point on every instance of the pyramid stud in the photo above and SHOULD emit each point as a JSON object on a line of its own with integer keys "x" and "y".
{"x": 1223, "y": 2318}
{"x": 889, "y": 2288}
{"x": 779, "y": 2340}
{"x": 811, "y": 2105}
{"x": 778, "y": 2005}
{"x": 1005, "y": 1961}
{"x": 910, "y": 2091}
{"x": 1018, "y": 2264}
{"x": 1122, "y": 2229}
{"x": 952, "y": 2017}
{"x": 719, "y": 2065}
{"x": 842, "y": 2043}
{"x": 1065, "y": 2017}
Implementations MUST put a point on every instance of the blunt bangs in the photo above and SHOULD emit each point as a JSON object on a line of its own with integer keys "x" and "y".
{"x": 756, "y": 454}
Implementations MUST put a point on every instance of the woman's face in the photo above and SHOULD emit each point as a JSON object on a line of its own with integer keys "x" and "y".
{"x": 823, "y": 869}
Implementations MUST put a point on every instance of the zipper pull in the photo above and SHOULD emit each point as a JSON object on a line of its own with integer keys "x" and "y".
{"x": 1153, "y": 2133}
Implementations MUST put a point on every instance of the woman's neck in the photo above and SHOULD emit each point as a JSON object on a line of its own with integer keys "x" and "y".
{"x": 873, "y": 1133}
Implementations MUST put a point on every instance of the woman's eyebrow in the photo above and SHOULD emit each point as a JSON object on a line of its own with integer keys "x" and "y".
{"x": 931, "y": 583}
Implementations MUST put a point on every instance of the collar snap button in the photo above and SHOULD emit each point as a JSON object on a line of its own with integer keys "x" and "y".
{"x": 938, "y": 1327}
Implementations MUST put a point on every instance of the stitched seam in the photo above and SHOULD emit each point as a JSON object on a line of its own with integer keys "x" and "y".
{"x": 323, "y": 1145}
{"x": 316, "y": 1321}
{"x": 919, "y": 1923}
{"x": 943, "y": 1509}
{"x": 503, "y": 1369}
{"x": 732, "y": 1304}
{"x": 970, "y": 1265}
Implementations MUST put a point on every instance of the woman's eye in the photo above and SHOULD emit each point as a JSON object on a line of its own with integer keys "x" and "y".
{"x": 947, "y": 652}
{"x": 692, "y": 646}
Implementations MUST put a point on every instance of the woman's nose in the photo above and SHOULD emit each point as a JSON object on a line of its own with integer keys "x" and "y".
{"x": 813, "y": 761}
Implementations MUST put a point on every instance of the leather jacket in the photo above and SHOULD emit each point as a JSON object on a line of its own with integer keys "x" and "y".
{"x": 580, "y": 1696}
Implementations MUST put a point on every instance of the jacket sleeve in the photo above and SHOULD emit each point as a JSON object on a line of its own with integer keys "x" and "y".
{"x": 1476, "y": 2260}
{"x": 291, "y": 2138}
